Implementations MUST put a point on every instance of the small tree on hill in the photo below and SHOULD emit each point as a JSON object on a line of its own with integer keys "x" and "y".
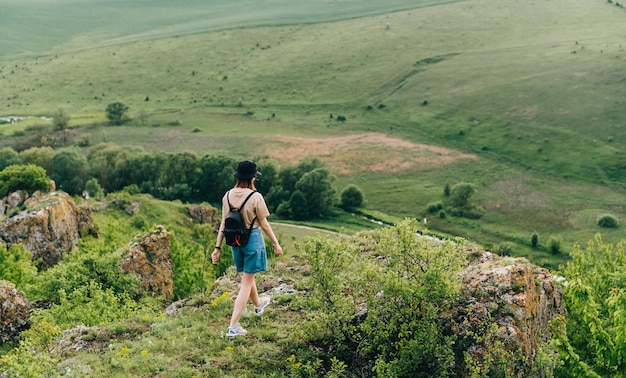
{"x": 116, "y": 113}
{"x": 351, "y": 197}
{"x": 461, "y": 193}
{"x": 60, "y": 120}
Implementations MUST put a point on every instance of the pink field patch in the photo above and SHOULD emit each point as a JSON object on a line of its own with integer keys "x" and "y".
{"x": 369, "y": 152}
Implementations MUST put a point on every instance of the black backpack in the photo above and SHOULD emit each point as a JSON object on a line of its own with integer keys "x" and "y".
{"x": 235, "y": 230}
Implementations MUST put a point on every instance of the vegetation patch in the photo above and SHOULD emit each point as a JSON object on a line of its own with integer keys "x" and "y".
{"x": 360, "y": 153}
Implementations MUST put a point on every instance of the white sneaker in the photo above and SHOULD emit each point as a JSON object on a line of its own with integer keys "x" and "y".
{"x": 258, "y": 310}
{"x": 236, "y": 331}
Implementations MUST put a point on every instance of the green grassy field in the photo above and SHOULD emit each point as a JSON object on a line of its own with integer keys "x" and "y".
{"x": 524, "y": 100}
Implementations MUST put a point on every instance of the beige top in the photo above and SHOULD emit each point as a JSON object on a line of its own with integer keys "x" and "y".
{"x": 255, "y": 207}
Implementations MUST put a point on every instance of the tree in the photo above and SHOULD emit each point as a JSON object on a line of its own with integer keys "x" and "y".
{"x": 69, "y": 170}
{"x": 298, "y": 205}
{"x": 269, "y": 178}
{"x": 351, "y": 197}
{"x": 116, "y": 113}
{"x": 461, "y": 193}
{"x": 60, "y": 120}
{"x": 8, "y": 157}
{"x": 23, "y": 177}
{"x": 534, "y": 240}
{"x": 41, "y": 156}
{"x": 320, "y": 195}
{"x": 290, "y": 174}
{"x": 215, "y": 177}
{"x": 103, "y": 158}
{"x": 92, "y": 186}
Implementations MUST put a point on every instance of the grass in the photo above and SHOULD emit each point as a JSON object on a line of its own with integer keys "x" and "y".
{"x": 528, "y": 90}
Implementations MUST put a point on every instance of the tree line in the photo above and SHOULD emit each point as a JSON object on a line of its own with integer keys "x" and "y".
{"x": 297, "y": 191}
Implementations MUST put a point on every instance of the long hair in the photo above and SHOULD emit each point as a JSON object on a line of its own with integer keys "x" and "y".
{"x": 245, "y": 183}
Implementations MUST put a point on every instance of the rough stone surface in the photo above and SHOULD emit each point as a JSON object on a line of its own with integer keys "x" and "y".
{"x": 47, "y": 224}
{"x": 14, "y": 311}
{"x": 204, "y": 214}
{"x": 150, "y": 257}
{"x": 519, "y": 298}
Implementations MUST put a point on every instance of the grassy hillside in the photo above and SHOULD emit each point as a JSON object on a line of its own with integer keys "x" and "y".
{"x": 36, "y": 27}
{"x": 521, "y": 99}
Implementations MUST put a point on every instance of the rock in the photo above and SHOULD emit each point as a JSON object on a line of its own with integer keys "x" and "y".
{"x": 86, "y": 225}
{"x": 14, "y": 311}
{"x": 16, "y": 199}
{"x": 518, "y": 297}
{"x": 48, "y": 224}
{"x": 204, "y": 214}
{"x": 150, "y": 257}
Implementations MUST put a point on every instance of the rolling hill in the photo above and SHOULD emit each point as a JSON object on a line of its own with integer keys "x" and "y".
{"x": 525, "y": 100}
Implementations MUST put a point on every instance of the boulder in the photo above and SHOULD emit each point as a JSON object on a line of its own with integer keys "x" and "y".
{"x": 149, "y": 255}
{"x": 47, "y": 224}
{"x": 14, "y": 311}
{"x": 520, "y": 299}
{"x": 204, "y": 214}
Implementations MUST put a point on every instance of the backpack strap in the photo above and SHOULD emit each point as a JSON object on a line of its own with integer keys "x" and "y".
{"x": 244, "y": 202}
{"x": 242, "y": 205}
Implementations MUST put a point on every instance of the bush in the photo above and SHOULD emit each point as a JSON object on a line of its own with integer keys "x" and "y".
{"x": 351, "y": 197}
{"x": 16, "y": 265}
{"x": 534, "y": 240}
{"x": 461, "y": 193}
{"x": 503, "y": 249}
{"x": 92, "y": 186}
{"x": 433, "y": 207}
{"x": 23, "y": 177}
{"x": 591, "y": 337}
{"x": 116, "y": 113}
{"x": 607, "y": 221}
{"x": 400, "y": 334}
{"x": 554, "y": 245}
{"x": 60, "y": 120}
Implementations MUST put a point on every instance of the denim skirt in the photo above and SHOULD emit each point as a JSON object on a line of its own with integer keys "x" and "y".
{"x": 251, "y": 258}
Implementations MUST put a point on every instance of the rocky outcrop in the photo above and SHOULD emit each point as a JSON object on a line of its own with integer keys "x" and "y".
{"x": 149, "y": 255}
{"x": 47, "y": 224}
{"x": 204, "y": 214}
{"x": 505, "y": 312}
{"x": 14, "y": 311}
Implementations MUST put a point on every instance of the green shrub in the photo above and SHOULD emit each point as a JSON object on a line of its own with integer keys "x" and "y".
{"x": 78, "y": 270}
{"x": 351, "y": 197}
{"x": 591, "y": 337}
{"x": 534, "y": 240}
{"x": 433, "y": 207}
{"x": 92, "y": 186}
{"x": 16, "y": 265}
{"x": 116, "y": 113}
{"x": 554, "y": 245}
{"x": 92, "y": 305}
{"x": 413, "y": 281}
{"x": 23, "y": 177}
{"x": 31, "y": 358}
{"x": 504, "y": 248}
{"x": 607, "y": 221}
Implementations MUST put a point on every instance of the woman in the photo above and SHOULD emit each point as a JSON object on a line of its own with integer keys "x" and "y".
{"x": 251, "y": 258}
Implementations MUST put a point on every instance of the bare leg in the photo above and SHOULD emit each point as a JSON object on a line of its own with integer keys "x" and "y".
{"x": 247, "y": 291}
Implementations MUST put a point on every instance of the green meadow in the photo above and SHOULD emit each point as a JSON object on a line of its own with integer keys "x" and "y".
{"x": 524, "y": 100}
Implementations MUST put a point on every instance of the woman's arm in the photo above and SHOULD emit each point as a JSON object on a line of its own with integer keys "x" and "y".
{"x": 265, "y": 226}
{"x": 218, "y": 244}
